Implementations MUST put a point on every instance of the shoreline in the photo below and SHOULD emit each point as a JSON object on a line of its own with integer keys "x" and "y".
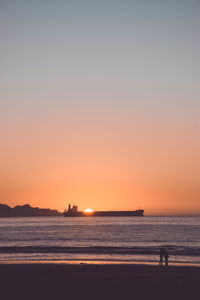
{"x": 97, "y": 262}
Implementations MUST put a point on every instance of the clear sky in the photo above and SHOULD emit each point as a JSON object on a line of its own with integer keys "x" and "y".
{"x": 100, "y": 104}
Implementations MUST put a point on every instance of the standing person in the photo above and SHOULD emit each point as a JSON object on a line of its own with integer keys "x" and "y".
{"x": 162, "y": 250}
{"x": 166, "y": 257}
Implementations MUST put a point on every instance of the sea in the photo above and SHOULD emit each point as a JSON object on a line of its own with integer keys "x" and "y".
{"x": 100, "y": 240}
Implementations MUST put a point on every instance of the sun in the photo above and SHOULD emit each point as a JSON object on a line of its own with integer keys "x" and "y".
{"x": 88, "y": 210}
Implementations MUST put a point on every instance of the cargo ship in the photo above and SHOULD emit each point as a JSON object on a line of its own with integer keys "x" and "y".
{"x": 74, "y": 212}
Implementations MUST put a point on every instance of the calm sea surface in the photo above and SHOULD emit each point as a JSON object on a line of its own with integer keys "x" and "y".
{"x": 100, "y": 239}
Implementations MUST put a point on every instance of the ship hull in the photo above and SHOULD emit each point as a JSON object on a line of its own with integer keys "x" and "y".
{"x": 136, "y": 213}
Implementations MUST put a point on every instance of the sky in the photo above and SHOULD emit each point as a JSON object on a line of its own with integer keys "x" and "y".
{"x": 100, "y": 104}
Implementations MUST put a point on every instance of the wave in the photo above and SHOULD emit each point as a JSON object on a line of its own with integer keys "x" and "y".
{"x": 173, "y": 250}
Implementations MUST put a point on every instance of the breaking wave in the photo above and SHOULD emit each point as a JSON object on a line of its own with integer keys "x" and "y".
{"x": 174, "y": 250}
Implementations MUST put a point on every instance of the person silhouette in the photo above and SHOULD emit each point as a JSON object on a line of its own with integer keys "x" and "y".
{"x": 166, "y": 257}
{"x": 162, "y": 253}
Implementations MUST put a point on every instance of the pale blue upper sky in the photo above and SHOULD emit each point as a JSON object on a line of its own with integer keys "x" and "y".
{"x": 100, "y": 55}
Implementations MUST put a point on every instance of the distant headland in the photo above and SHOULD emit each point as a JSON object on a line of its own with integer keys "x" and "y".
{"x": 27, "y": 211}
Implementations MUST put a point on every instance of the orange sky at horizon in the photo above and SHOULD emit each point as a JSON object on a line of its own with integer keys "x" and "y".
{"x": 130, "y": 164}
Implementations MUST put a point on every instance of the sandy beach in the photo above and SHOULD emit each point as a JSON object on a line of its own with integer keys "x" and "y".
{"x": 48, "y": 281}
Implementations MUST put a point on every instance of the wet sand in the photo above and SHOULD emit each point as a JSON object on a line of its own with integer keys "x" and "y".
{"x": 46, "y": 281}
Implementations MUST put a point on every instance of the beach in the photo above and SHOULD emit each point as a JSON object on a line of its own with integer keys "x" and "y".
{"x": 99, "y": 258}
{"x": 90, "y": 281}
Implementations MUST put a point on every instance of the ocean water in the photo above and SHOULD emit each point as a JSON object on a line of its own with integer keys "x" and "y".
{"x": 100, "y": 239}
